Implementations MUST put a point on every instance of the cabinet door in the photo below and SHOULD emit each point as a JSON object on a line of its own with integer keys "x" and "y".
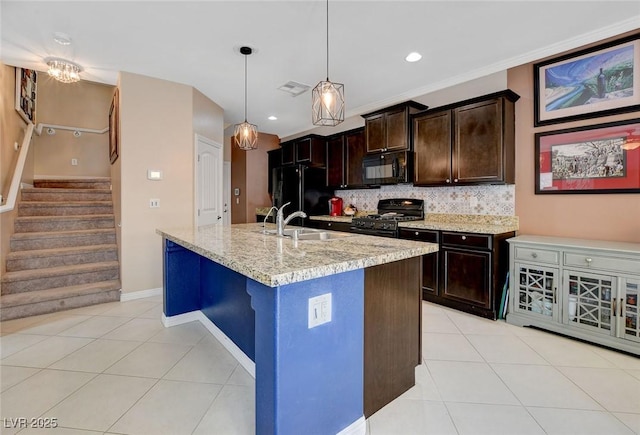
{"x": 628, "y": 306}
{"x": 430, "y": 276}
{"x": 275, "y": 159}
{"x": 589, "y": 301}
{"x": 288, "y": 153}
{"x": 303, "y": 150}
{"x": 478, "y": 144}
{"x": 397, "y": 130}
{"x": 466, "y": 277}
{"x": 375, "y": 133}
{"x": 534, "y": 291}
{"x": 432, "y": 148}
{"x": 335, "y": 162}
{"x": 355, "y": 147}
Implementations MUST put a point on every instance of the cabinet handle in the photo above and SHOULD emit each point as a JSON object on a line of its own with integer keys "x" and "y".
{"x": 615, "y": 307}
{"x": 555, "y": 290}
{"x": 448, "y": 181}
{"x": 329, "y": 224}
{"x": 455, "y": 180}
{"x": 417, "y": 233}
{"x": 621, "y": 307}
{"x": 534, "y": 254}
{"x": 588, "y": 260}
{"x": 464, "y": 237}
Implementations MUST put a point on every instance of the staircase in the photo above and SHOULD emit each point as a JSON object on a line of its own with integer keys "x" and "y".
{"x": 63, "y": 252}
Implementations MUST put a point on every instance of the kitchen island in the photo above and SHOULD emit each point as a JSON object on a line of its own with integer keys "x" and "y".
{"x": 257, "y": 291}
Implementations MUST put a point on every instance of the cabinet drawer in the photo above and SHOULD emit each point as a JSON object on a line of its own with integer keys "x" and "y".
{"x": 537, "y": 255}
{"x": 420, "y": 235}
{"x": 466, "y": 240}
{"x": 600, "y": 262}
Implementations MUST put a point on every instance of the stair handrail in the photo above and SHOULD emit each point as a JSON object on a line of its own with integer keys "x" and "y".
{"x": 17, "y": 172}
{"x": 70, "y": 128}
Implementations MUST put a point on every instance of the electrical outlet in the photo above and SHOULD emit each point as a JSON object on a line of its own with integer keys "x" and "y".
{"x": 74, "y": 162}
{"x": 154, "y": 203}
{"x": 319, "y": 310}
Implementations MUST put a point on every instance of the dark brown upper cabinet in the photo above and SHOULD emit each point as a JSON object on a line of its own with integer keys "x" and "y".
{"x": 308, "y": 150}
{"x": 470, "y": 142}
{"x": 389, "y": 129}
{"x": 344, "y": 159}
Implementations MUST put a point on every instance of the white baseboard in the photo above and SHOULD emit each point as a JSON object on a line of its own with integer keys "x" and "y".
{"x": 228, "y": 344}
{"x": 358, "y": 427}
{"x": 129, "y": 296}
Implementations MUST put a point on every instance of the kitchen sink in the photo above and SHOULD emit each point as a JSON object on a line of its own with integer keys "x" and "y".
{"x": 308, "y": 234}
{"x": 319, "y": 235}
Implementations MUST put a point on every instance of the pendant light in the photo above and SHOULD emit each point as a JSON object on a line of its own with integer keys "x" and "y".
{"x": 327, "y": 97}
{"x": 246, "y": 134}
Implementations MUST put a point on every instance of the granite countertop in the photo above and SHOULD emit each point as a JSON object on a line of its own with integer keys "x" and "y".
{"x": 274, "y": 261}
{"x": 467, "y": 223}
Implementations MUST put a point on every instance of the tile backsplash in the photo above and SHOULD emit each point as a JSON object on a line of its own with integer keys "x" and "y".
{"x": 480, "y": 200}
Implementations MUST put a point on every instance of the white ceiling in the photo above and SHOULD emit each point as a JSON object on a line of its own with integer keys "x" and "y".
{"x": 196, "y": 43}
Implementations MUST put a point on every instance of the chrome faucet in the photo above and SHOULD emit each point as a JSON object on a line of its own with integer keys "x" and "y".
{"x": 281, "y": 222}
{"x": 264, "y": 222}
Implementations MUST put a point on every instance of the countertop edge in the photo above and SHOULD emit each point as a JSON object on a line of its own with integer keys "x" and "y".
{"x": 306, "y": 273}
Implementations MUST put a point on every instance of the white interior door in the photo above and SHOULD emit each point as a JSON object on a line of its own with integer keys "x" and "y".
{"x": 226, "y": 216}
{"x": 209, "y": 184}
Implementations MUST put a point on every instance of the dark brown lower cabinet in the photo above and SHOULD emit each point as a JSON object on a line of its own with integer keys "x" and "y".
{"x": 392, "y": 331}
{"x": 468, "y": 272}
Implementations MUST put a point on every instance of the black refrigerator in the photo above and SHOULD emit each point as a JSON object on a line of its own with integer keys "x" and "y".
{"x": 303, "y": 186}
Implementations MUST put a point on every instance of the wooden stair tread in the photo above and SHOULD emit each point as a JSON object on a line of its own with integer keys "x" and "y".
{"x": 65, "y": 204}
{"x": 16, "y": 299}
{"x": 34, "y": 253}
{"x": 58, "y": 234}
{"x": 22, "y": 275}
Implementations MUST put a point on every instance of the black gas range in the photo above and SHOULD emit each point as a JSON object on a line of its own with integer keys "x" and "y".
{"x": 390, "y": 213}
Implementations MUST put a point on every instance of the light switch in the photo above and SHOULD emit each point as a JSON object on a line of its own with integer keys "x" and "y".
{"x": 154, "y": 174}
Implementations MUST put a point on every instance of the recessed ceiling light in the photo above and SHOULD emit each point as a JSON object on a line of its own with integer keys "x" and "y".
{"x": 272, "y": 118}
{"x": 414, "y": 56}
{"x": 62, "y": 38}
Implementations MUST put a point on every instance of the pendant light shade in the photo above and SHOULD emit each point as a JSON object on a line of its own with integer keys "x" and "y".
{"x": 246, "y": 134}
{"x": 327, "y": 97}
{"x": 328, "y": 103}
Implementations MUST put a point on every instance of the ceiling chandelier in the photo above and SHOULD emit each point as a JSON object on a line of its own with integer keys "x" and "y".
{"x": 63, "y": 70}
{"x": 328, "y": 98}
{"x": 246, "y": 134}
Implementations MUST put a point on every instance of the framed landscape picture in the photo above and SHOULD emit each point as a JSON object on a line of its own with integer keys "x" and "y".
{"x": 602, "y": 158}
{"x": 26, "y": 93}
{"x": 598, "y": 81}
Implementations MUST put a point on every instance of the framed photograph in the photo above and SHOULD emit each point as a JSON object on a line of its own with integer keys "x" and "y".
{"x": 603, "y": 158}
{"x": 113, "y": 128}
{"x": 599, "y": 81}
{"x": 26, "y": 93}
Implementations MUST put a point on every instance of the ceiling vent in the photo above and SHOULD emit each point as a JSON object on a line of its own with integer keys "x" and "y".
{"x": 294, "y": 88}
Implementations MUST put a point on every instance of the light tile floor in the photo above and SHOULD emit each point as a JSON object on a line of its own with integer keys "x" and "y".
{"x": 113, "y": 369}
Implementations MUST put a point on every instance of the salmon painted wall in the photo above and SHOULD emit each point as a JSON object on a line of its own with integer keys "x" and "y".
{"x": 590, "y": 216}
{"x": 249, "y": 174}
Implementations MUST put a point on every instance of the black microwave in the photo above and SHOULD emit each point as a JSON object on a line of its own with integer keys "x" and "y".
{"x": 388, "y": 168}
